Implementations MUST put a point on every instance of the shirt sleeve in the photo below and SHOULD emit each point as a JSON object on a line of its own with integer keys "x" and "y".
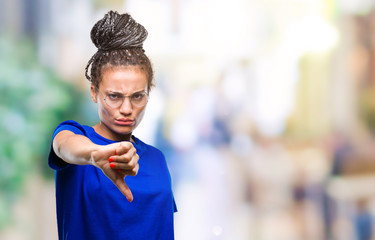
{"x": 54, "y": 161}
{"x": 174, "y": 206}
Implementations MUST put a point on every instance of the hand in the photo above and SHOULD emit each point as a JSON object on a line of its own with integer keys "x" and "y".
{"x": 117, "y": 161}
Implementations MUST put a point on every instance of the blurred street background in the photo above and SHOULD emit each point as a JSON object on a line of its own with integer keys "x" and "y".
{"x": 264, "y": 109}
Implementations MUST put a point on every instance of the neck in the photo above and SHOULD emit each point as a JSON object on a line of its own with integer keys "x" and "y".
{"x": 105, "y": 132}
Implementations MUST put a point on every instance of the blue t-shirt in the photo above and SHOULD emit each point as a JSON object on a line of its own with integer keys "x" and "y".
{"x": 89, "y": 206}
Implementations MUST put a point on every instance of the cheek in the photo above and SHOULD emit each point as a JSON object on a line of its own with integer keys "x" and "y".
{"x": 103, "y": 111}
{"x": 141, "y": 113}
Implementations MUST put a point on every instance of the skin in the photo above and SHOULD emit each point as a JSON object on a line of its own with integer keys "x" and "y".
{"x": 119, "y": 159}
{"x": 124, "y": 80}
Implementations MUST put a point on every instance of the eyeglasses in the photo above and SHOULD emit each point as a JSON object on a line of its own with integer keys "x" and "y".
{"x": 115, "y": 100}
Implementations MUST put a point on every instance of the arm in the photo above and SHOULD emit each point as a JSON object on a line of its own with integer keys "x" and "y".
{"x": 73, "y": 148}
{"x": 116, "y": 160}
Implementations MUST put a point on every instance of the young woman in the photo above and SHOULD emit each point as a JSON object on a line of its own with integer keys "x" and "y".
{"x": 92, "y": 198}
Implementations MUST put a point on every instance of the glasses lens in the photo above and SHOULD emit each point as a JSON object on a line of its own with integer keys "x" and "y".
{"x": 138, "y": 99}
{"x": 116, "y": 100}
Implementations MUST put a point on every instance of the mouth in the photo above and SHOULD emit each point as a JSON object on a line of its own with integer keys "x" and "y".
{"x": 124, "y": 121}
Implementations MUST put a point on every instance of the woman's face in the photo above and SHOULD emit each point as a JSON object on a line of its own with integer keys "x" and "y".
{"x": 118, "y": 123}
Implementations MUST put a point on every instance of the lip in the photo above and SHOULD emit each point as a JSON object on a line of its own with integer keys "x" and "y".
{"x": 124, "y": 121}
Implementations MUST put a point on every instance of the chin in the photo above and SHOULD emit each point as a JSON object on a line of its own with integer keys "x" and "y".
{"x": 124, "y": 130}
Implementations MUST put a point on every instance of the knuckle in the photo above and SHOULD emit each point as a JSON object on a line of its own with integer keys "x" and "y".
{"x": 132, "y": 151}
{"x": 132, "y": 165}
{"x": 132, "y": 173}
{"x": 128, "y": 159}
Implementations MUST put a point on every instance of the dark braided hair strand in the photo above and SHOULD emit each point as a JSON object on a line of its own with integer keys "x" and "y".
{"x": 119, "y": 39}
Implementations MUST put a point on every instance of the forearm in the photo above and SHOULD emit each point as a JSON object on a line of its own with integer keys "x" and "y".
{"x": 74, "y": 149}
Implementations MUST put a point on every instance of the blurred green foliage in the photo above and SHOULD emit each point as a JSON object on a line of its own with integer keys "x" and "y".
{"x": 33, "y": 100}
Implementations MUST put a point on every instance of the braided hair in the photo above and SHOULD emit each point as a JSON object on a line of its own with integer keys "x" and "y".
{"x": 119, "y": 39}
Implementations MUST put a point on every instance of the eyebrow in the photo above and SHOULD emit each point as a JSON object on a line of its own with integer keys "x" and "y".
{"x": 120, "y": 93}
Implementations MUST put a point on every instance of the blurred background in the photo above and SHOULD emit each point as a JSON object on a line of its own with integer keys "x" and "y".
{"x": 265, "y": 111}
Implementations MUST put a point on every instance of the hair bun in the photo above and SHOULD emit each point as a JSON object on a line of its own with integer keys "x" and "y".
{"x": 117, "y": 31}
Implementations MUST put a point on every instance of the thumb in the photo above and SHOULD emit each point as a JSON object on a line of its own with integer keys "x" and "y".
{"x": 120, "y": 183}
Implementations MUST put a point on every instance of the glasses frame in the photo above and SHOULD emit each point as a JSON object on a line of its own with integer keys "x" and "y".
{"x": 105, "y": 96}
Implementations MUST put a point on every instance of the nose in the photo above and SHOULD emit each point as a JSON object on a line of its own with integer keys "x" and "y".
{"x": 126, "y": 108}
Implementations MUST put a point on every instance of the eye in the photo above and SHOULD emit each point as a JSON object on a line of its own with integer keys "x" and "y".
{"x": 112, "y": 96}
{"x": 138, "y": 96}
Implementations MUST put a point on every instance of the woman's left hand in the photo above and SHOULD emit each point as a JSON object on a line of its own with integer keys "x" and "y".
{"x": 116, "y": 167}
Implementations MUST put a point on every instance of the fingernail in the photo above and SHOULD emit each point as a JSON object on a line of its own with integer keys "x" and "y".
{"x": 112, "y": 165}
{"x": 110, "y": 159}
{"x": 118, "y": 170}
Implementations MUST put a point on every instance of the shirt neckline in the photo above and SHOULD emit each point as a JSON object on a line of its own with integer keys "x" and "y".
{"x": 93, "y": 132}
{"x": 137, "y": 143}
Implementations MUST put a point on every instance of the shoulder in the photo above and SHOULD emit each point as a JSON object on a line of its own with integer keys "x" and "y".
{"x": 72, "y": 126}
{"x": 144, "y": 147}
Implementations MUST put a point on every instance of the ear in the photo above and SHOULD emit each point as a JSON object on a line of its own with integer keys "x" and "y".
{"x": 94, "y": 94}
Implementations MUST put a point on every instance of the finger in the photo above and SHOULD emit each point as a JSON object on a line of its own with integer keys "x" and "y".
{"x": 129, "y": 154}
{"x": 123, "y": 158}
{"x": 124, "y": 147}
{"x": 111, "y": 158}
{"x": 132, "y": 173}
{"x": 128, "y": 157}
{"x": 127, "y": 171}
{"x": 120, "y": 183}
{"x": 123, "y": 166}
{"x": 128, "y": 160}
{"x": 135, "y": 170}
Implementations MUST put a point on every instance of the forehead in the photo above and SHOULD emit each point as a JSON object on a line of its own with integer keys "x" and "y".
{"x": 123, "y": 78}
